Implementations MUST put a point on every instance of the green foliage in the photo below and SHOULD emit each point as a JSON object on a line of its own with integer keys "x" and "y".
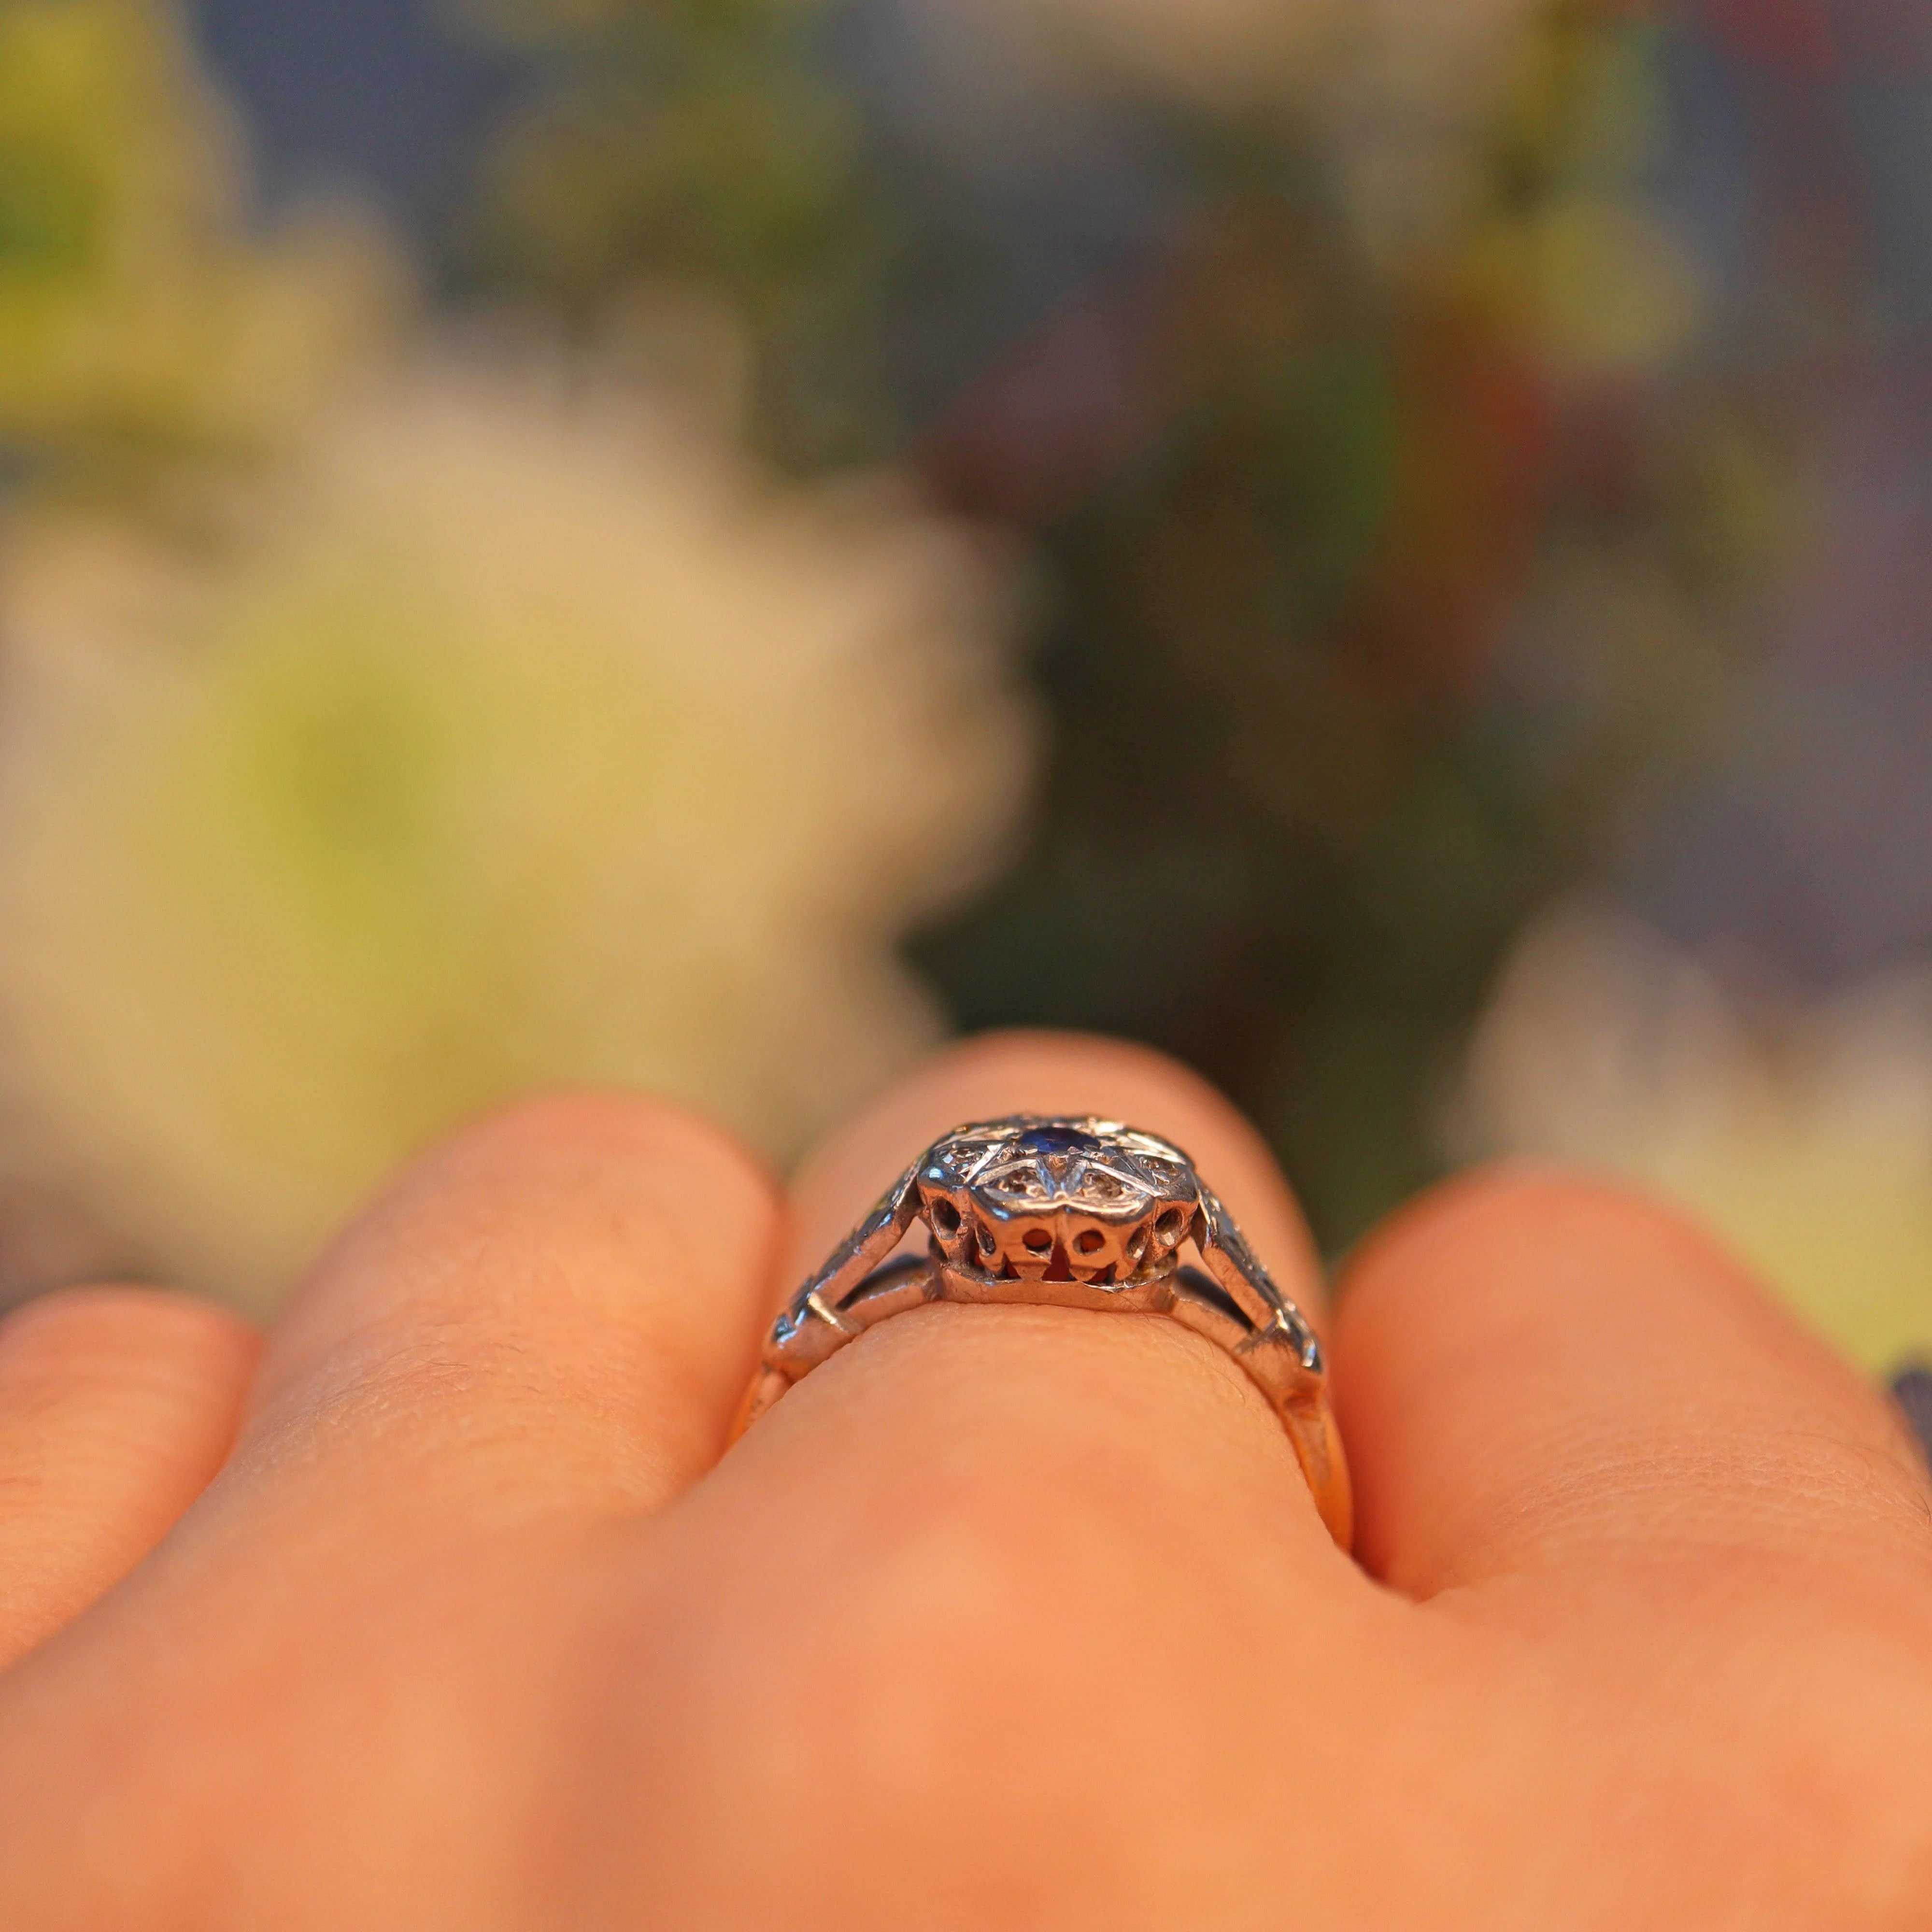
{"x": 1377, "y": 581}
{"x": 1368, "y": 651}
{"x": 699, "y": 142}
{"x": 1361, "y": 633}
{"x": 140, "y": 318}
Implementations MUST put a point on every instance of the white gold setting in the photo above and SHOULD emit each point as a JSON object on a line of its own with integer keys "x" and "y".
{"x": 1078, "y": 1213}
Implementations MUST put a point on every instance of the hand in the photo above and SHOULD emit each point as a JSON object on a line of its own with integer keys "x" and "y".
{"x": 443, "y": 1612}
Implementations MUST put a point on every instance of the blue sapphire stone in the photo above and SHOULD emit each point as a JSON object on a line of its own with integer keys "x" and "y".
{"x": 1051, "y": 1140}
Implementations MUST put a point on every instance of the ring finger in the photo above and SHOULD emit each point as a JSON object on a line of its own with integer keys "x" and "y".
{"x": 981, "y": 1559}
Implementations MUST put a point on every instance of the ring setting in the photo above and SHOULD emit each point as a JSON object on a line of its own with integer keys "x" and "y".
{"x": 1067, "y": 1212}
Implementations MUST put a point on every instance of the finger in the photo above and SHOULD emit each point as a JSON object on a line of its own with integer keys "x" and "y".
{"x": 558, "y": 1307}
{"x": 1010, "y": 1390}
{"x": 982, "y": 1549}
{"x": 117, "y": 1406}
{"x": 1535, "y": 1370}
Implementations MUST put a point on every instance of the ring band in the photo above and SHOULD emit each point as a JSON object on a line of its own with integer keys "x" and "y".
{"x": 1068, "y": 1213}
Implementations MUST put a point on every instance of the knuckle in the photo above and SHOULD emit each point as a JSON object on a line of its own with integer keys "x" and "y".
{"x": 569, "y": 1127}
{"x": 119, "y": 1335}
{"x": 605, "y": 1176}
{"x": 1578, "y": 1241}
{"x": 1476, "y": 1209}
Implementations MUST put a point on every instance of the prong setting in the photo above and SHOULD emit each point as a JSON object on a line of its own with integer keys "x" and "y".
{"x": 1076, "y": 1213}
{"x": 1085, "y": 1202}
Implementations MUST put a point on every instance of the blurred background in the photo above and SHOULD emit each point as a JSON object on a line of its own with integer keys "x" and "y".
{"x": 1382, "y": 546}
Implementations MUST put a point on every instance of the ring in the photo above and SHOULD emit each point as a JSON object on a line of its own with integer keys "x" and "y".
{"x": 1068, "y": 1213}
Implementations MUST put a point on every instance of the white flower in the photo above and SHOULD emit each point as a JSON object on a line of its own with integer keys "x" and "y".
{"x": 519, "y": 735}
{"x": 1803, "y": 1133}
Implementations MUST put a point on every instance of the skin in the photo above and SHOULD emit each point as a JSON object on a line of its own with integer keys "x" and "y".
{"x": 437, "y": 1609}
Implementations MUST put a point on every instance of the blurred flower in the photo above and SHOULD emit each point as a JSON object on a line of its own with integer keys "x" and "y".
{"x": 1803, "y": 1134}
{"x": 136, "y": 309}
{"x": 522, "y": 735}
